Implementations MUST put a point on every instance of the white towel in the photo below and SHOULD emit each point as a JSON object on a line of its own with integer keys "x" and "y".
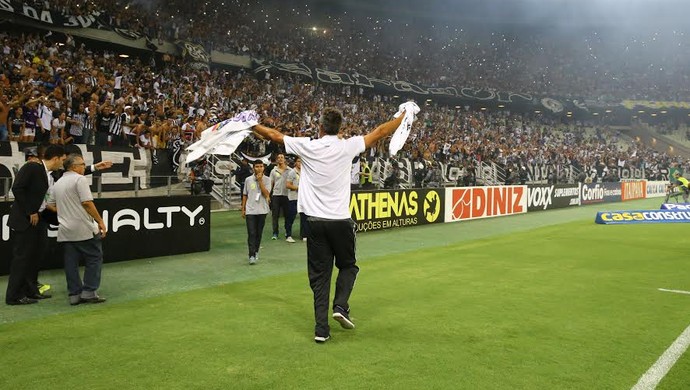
{"x": 224, "y": 137}
{"x": 403, "y": 131}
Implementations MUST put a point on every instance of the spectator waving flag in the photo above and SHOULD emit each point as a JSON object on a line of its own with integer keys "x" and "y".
{"x": 224, "y": 137}
{"x": 411, "y": 110}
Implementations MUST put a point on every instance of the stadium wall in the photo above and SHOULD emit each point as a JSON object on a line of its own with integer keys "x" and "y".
{"x": 137, "y": 228}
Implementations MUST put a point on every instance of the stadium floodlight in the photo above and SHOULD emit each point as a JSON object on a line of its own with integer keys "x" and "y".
{"x": 123, "y": 56}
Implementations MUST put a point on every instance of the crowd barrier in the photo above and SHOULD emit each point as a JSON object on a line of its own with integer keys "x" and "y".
{"x": 132, "y": 169}
{"x": 161, "y": 226}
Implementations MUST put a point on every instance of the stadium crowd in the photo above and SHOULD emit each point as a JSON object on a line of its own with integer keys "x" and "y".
{"x": 67, "y": 93}
{"x": 599, "y": 65}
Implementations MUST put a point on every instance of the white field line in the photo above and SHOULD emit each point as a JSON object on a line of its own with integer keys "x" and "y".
{"x": 675, "y": 291}
{"x": 651, "y": 379}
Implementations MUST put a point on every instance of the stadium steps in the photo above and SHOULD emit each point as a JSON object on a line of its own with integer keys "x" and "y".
{"x": 659, "y": 142}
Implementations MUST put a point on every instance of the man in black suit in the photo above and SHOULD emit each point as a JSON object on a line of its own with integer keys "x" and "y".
{"x": 28, "y": 228}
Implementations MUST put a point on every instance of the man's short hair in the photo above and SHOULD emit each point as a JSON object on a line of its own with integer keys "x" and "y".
{"x": 257, "y": 162}
{"x": 331, "y": 119}
{"x": 71, "y": 160}
{"x": 53, "y": 151}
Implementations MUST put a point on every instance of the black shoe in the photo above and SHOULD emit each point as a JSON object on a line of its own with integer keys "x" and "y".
{"x": 321, "y": 339}
{"x": 40, "y": 296}
{"x": 95, "y": 299}
{"x": 343, "y": 317}
{"x": 22, "y": 301}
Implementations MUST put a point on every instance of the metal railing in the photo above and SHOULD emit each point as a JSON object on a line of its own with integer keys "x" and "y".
{"x": 137, "y": 187}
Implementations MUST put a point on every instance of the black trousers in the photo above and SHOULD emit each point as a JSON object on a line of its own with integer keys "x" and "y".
{"x": 255, "y": 228}
{"x": 278, "y": 203}
{"x": 45, "y": 248}
{"x": 290, "y": 217}
{"x": 329, "y": 240}
{"x": 28, "y": 246}
{"x": 303, "y": 226}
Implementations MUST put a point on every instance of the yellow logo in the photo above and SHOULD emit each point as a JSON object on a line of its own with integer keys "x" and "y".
{"x": 432, "y": 206}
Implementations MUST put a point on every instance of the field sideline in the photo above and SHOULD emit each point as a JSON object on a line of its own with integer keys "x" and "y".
{"x": 542, "y": 300}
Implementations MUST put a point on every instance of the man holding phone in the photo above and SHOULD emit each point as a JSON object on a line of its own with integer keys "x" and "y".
{"x": 255, "y": 207}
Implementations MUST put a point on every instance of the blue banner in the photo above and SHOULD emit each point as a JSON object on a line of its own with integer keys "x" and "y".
{"x": 642, "y": 216}
{"x": 676, "y": 206}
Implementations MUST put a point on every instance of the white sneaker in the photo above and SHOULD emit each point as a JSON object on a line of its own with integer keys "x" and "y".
{"x": 252, "y": 260}
{"x": 321, "y": 339}
{"x": 343, "y": 318}
{"x": 304, "y": 239}
{"x": 290, "y": 240}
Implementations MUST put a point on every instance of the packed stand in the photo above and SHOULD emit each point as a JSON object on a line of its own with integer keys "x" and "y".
{"x": 597, "y": 64}
{"x": 61, "y": 94}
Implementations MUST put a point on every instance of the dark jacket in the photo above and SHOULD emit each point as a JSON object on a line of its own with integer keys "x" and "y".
{"x": 29, "y": 189}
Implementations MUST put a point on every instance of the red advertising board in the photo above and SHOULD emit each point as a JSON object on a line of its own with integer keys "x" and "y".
{"x": 484, "y": 202}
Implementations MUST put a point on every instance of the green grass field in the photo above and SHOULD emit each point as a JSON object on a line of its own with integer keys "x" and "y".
{"x": 541, "y": 301}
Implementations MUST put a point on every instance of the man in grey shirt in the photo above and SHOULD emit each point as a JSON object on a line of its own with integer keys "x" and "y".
{"x": 292, "y": 184}
{"x": 81, "y": 230}
{"x": 279, "y": 196}
{"x": 255, "y": 196}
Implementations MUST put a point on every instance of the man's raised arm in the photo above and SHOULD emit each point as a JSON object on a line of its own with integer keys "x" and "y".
{"x": 383, "y": 131}
{"x": 269, "y": 133}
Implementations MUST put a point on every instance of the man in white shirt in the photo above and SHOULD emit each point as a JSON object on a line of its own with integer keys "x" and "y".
{"x": 80, "y": 231}
{"x": 324, "y": 196}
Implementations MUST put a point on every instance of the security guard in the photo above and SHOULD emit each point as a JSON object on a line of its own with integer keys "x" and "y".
{"x": 366, "y": 180}
{"x": 682, "y": 184}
